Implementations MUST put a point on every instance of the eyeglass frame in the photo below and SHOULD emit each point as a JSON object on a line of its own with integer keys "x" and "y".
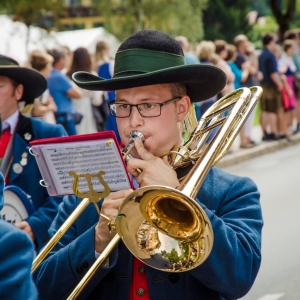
{"x": 137, "y": 107}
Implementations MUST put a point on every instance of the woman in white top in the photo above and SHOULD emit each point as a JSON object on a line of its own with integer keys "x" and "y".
{"x": 288, "y": 68}
{"x": 44, "y": 106}
{"x": 82, "y": 62}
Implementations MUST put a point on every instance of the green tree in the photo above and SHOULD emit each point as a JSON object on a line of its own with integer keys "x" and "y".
{"x": 175, "y": 17}
{"x": 34, "y": 12}
{"x": 173, "y": 256}
{"x": 224, "y": 19}
{"x": 283, "y": 15}
{"x": 262, "y": 7}
{"x": 295, "y": 23}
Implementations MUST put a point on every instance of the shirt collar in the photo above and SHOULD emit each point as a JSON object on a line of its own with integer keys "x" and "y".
{"x": 11, "y": 121}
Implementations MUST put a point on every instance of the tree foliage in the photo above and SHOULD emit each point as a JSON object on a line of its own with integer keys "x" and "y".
{"x": 224, "y": 19}
{"x": 175, "y": 17}
{"x": 33, "y": 12}
{"x": 262, "y": 7}
{"x": 283, "y": 16}
{"x": 173, "y": 256}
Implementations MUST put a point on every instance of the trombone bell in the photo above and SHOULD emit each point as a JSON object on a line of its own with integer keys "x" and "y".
{"x": 182, "y": 238}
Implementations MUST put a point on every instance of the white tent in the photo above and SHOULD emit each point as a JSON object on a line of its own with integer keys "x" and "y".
{"x": 17, "y": 41}
{"x": 86, "y": 38}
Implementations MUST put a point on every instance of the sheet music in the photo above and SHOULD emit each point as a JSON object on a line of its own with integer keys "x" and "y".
{"x": 85, "y": 157}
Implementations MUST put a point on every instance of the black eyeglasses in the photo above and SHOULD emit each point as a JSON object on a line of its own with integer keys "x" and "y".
{"x": 146, "y": 110}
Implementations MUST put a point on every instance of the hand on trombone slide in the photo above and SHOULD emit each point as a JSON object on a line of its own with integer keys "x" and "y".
{"x": 110, "y": 208}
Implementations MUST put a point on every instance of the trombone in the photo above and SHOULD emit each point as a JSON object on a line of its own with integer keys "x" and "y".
{"x": 164, "y": 227}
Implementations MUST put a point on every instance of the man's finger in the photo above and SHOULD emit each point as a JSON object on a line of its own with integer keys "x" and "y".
{"x": 143, "y": 153}
{"x": 119, "y": 194}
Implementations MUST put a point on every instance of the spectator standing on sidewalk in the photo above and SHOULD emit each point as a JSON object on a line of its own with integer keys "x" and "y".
{"x": 105, "y": 69}
{"x": 62, "y": 90}
{"x": 286, "y": 90}
{"x": 205, "y": 51}
{"x": 190, "y": 59}
{"x": 246, "y": 58}
{"x": 222, "y": 51}
{"x": 44, "y": 106}
{"x": 82, "y": 62}
{"x": 288, "y": 67}
{"x": 271, "y": 101}
{"x": 295, "y": 36}
{"x": 240, "y": 75}
{"x": 189, "y": 56}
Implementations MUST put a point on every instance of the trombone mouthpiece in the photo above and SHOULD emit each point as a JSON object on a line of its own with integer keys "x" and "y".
{"x": 128, "y": 148}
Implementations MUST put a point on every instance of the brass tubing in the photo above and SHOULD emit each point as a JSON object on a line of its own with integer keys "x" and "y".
{"x": 191, "y": 184}
{"x": 90, "y": 273}
{"x": 60, "y": 232}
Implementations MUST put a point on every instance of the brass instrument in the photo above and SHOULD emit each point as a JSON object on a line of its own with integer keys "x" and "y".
{"x": 164, "y": 227}
{"x": 82, "y": 206}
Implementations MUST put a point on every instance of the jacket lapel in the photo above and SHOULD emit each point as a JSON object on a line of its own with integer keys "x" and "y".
{"x": 21, "y": 159}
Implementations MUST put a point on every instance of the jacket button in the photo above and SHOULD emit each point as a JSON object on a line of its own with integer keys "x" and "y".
{"x": 79, "y": 269}
{"x": 174, "y": 277}
{"x": 140, "y": 292}
{"x": 142, "y": 270}
{"x": 85, "y": 264}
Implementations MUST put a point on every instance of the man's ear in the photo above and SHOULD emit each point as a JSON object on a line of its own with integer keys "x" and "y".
{"x": 19, "y": 91}
{"x": 183, "y": 107}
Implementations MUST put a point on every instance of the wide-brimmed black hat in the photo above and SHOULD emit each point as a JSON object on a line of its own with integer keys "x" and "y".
{"x": 152, "y": 57}
{"x": 34, "y": 83}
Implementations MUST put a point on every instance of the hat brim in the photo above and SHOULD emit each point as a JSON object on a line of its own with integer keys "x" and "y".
{"x": 202, "y": 81}
{"x": 34, "y": 83}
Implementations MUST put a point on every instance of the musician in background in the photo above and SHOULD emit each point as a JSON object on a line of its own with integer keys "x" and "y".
{"x": 154, "y": 91}
{"x": 16, "y": 256}
{"x": 19, "y": 167}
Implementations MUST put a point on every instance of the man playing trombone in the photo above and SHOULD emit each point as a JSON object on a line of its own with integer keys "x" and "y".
{"x": 154, "y": 90}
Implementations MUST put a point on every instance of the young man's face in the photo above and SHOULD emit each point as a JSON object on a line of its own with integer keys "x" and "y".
{"x": 162, "y": 132}
{"x": 8, "y": 96}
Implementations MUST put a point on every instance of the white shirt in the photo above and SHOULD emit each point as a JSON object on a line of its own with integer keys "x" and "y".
{"x": 288, "y": 62}
{"x": 11, "y": 121}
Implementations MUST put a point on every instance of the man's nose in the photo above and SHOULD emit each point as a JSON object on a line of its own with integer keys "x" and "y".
{"x": 135, "y": 117}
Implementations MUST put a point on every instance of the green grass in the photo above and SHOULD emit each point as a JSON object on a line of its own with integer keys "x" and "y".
{"x": 256, "y": 120}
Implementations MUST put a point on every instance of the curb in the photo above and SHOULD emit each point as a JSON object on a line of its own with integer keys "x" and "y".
{"x": 242, "y": 155}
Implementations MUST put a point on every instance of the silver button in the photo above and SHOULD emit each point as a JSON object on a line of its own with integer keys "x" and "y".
{"x": 142, "y": 270}
{"x": 140, "y": 292}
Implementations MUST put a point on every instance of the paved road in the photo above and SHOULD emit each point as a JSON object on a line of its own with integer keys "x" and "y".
{"x": 277, "y": 176}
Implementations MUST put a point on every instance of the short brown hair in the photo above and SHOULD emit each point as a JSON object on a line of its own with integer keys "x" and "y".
{"x": 231, "y": 51}
{"x": 39, "y": 60}
{"x": 290, "y": 34}
{"x": 220, "y": 46}
{"x": 287, "y": 44}
{"x": 177, "y": 89}
{"x": 267, "y": 38}
{"x": 57, "y": 54}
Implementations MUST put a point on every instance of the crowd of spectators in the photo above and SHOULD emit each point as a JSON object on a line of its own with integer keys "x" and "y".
{"x": 276, "y": 68}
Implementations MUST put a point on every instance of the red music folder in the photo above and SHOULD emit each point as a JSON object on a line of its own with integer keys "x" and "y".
{"x": 83, "y": 154}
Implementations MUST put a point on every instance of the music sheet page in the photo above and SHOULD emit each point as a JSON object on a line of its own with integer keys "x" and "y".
{"x": 87, "y": 157}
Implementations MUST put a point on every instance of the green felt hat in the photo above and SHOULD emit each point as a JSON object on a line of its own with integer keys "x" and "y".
{"x": 152, "y": 57}
{"x": 34, "y": 83}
